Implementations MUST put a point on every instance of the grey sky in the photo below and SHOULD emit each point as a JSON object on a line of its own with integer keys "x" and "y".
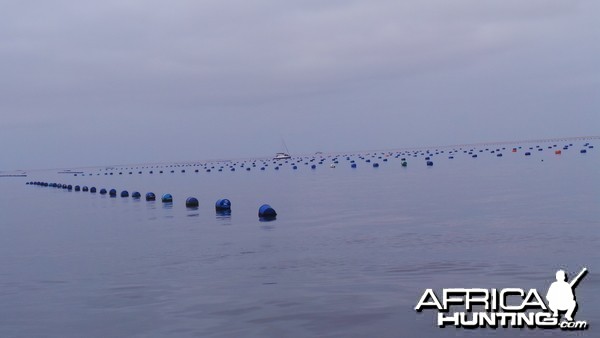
{"x": 107, "y": 82}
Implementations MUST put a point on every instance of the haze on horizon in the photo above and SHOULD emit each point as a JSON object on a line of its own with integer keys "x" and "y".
{"x": 107, "y": 82}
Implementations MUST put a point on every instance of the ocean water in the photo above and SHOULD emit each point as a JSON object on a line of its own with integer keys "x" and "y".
{"x": 349, "y": 255}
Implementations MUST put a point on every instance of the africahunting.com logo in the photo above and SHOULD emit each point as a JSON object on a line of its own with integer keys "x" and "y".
{"x": 510, "y": 307}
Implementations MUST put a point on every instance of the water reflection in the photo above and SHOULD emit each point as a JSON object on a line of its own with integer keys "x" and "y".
{"x": 223, "y": 216}
{"x": 193, "y": 212}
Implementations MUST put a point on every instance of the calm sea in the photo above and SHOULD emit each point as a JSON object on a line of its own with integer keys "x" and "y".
{"x": 349, "y": 255}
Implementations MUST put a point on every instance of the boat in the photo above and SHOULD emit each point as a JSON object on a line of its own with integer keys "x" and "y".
{"x": 282, "y": 156}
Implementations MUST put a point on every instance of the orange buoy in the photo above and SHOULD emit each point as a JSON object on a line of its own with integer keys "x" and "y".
{"x": 514, "y": 150}
{"x": 558, "y": 152}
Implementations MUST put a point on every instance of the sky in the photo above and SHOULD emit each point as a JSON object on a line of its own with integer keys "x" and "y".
{"x": 86, "y": 83}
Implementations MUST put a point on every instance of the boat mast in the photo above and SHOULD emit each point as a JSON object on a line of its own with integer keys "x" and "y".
{"x": 285, "y": 146}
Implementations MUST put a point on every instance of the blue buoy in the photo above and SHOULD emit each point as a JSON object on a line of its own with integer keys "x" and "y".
{"x": 429, "y": 163}
{"x": 150, "y": 196}
{"x": 191, "y": 202}
{"x": 223, "y": 205}
{"x": 124, "y": 193}
{"x": 167, "y": 198}
{"x": 266, "y": 211}
{"x": 136, "y": 195}
{"x": 112, "y": 193}
{"x": 295, "y": 167}
{"x": 353, "y": 165}
{"x": 102, "y": 191}
{"x": 313, "y": 166}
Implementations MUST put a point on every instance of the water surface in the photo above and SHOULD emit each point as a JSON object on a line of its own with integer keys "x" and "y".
{"x": 349, "y": 254}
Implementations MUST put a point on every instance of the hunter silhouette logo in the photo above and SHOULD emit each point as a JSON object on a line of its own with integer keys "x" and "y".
{"x": 561, "y": 296}
{"x": 509, "y": 307}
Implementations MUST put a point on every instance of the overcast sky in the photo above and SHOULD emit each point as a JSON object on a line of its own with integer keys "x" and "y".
{"x": 117, "y": 81}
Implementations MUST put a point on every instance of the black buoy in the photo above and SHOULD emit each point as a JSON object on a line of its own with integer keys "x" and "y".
{"x": 375, "y": 165}
{"x": 150, "y": 196}
{"x": 84, "y": 188}
{"x": 266, "y": 211}
{"x": 77, "y": 188}
{"x": 102, "y": 191}
{"x": 353, "y": 165}
{"x": 136, "y": 195}
{"x": 527, "y": 154}
{"x": 124, "y": 193}
{"x": 223, "y": 205}
{"x": 69, "y": 187}
{"x": 191, "y": 202}
{"x": 167, "y": 198}
{"x": 429, "y": 163}
{"x": 583, "y": 151}
{"x": 112, "y": 193}
{"x": 404, "y": 163}
{"x": 93, "y": 190}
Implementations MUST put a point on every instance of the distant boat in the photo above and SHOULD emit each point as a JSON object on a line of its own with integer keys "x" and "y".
{"x": 285, "y": 155}
{"x": 282, "y": 156}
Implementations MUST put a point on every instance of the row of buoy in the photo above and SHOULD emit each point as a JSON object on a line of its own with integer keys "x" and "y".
{"x": 322, "y": 157}
{"x": 223, "y": 205}
{"x": 314, "y": 161}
